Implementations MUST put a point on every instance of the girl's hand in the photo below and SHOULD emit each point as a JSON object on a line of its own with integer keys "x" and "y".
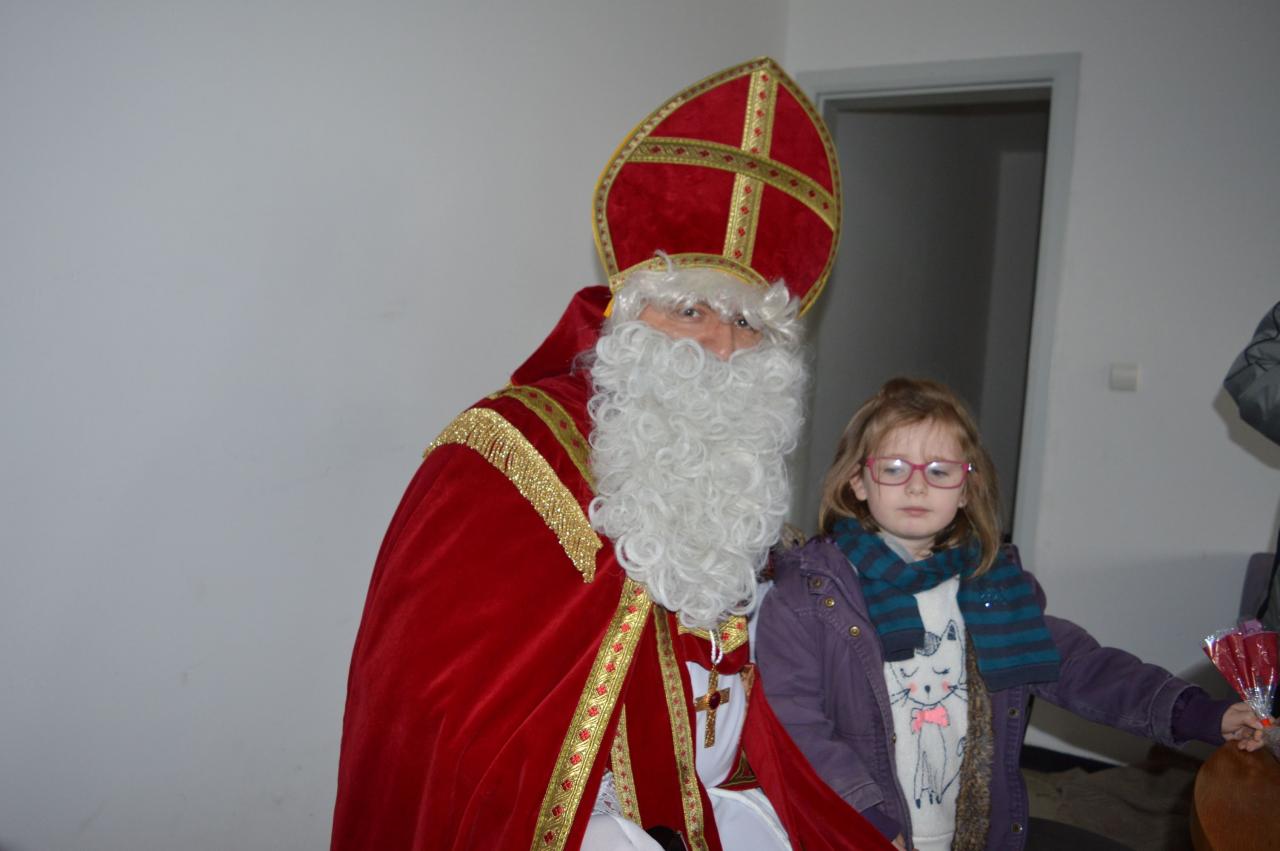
{"x": 1241, "y": 726}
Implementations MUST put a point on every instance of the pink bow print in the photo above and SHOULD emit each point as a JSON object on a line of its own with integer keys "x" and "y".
{"x": 936, "y": 715}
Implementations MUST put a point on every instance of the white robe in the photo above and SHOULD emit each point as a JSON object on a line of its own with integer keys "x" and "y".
{"x": 745, "y": 820}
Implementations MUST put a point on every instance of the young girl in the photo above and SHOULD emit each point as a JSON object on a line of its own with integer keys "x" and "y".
{"x": 901, "y": 646}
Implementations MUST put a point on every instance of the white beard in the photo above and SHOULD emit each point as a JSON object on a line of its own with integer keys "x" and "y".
{"x": 689, "y": 457}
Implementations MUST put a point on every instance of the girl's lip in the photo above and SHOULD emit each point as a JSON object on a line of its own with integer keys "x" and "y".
{"x": 915, "y": 511}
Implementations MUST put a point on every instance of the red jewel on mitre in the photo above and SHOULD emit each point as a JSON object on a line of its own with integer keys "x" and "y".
{"x": 736, "y": 173}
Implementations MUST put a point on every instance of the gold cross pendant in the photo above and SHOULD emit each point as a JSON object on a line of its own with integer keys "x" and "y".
{"x": 709, "y": 703}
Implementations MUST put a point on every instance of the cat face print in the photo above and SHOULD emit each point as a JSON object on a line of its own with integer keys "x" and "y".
{"x": 936, "y": 671}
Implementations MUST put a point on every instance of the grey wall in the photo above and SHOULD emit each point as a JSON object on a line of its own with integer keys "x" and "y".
{"x": 253, "y": 257}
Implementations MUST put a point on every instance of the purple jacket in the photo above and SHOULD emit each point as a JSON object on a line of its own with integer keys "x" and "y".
{"x": 821, "y": 662}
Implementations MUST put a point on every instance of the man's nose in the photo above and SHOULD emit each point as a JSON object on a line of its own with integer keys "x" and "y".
{"x": 724, "y": 338}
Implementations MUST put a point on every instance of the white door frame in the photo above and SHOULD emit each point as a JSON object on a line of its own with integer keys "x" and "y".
{"x": 1060, "y": 73}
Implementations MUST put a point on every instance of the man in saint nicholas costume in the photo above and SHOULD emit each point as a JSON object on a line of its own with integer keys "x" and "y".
{"x": 554, "y": 651}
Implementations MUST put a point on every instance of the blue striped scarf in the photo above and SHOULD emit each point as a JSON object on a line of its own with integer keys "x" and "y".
{"x": 1001, "y": 614}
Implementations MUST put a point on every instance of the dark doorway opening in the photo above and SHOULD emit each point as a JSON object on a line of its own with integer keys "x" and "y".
{"x": 937, "y": 267}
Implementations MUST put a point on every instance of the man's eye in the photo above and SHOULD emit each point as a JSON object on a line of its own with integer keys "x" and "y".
{"x": 690, "y": 312}
{"x": 742, "y": 322}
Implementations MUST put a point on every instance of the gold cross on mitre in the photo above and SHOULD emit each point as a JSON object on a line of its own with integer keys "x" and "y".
{"x": 709, "y": 703}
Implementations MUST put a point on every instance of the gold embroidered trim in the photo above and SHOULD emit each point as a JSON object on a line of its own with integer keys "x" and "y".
{"x": 757, "y": 139}
{"x": 757, "y": 128}
{"x": 806, "y": 190}
{"x": 678, "y": 710}
{"x": 640, "y": 135}
{"x": 733, "y": 633}
{"x": 744, "y": 216}
{"x": 558, "y": 420}
{"x": 502, "y": 445}
{"x": 604, "y": 242}
{"x": 624, "y": 780}
{"x": 743, "y": 775}
{"x": 586, "y": 731}
{"x": 741, "y": 271}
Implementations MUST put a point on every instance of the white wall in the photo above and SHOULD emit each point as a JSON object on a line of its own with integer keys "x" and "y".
{"x": 1151, "y": 501}
{"x": 253, "y": 256}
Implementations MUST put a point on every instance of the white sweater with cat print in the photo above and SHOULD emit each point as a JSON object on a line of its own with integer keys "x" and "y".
{"x": 929, "y": 700}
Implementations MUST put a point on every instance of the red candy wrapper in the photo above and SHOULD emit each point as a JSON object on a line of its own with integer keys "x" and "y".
{"x": 1246, "y": 656}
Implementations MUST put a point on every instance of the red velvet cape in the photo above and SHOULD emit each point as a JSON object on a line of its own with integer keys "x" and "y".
{"x": 504, "y": 660}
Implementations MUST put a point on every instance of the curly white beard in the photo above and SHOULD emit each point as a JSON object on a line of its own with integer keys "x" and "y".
{"x": 689, "y": 454}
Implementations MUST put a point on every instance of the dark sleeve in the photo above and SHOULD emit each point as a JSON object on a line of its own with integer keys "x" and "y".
{"x": 1196, "y": 715}
{"x": 881, "y": 822}
{"x": 1254, "y": 378}
{"x": 788, "y": 652}
{"x": 1113, "y": 687}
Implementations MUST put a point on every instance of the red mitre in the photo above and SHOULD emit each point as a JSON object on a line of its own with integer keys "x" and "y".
{"x": 736, "y": 173}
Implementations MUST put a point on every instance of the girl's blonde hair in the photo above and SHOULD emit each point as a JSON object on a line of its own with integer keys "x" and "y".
{"x": 905, "y": 402}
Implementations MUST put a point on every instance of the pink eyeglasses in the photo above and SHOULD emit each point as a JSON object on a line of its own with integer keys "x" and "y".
{"x": 937, "y": 474}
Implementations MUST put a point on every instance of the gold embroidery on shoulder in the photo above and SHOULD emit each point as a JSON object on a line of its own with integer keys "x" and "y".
{"x": 624, "y": 781}
{"x": 558, "y": 420}
{"x": 733, "y": 633}
{"x": 678, "y": 711}
{"x": 586, "y": 731}
{"x": 502, "y": 445}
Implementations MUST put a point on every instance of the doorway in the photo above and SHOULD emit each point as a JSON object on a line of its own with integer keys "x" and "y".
{"x": 943, "y": 260}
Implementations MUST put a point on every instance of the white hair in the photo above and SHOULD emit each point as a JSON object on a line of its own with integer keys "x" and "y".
{"x": 772, "y": 311}
{"x": 689, "y": 458}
